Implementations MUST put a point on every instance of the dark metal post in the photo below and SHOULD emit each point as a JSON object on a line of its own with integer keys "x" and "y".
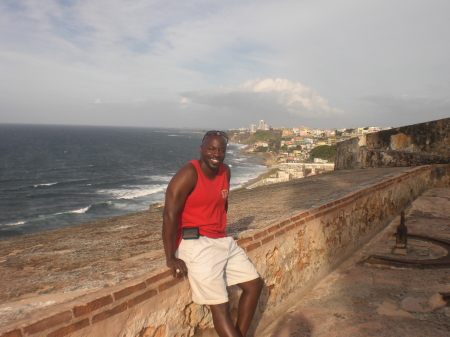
{"x": 402, "y": 233}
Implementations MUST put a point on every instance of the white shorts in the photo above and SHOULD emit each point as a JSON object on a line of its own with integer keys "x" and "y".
{"x": 214, "y": 264}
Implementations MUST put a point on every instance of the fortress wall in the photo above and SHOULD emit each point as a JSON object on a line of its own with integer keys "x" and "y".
{"x": 291, "y": 256}
{"x": 413, "y": 145}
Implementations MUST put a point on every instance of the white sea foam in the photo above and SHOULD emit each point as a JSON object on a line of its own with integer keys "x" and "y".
{"x": 163, "y": 178}
{"x": 78, "y": 211}
{"x": 49, "y": 184}
{"x": 134, "y": 191}
{"x": 81, "y": 210}
{"x": 14, "y": 224}
{"x": 239, "y": 146}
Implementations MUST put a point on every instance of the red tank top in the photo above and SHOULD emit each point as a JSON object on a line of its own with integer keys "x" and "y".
{"x": 205, "y": 206}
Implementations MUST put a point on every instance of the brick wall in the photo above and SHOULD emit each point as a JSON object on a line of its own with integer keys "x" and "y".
{"x": 291, "y": 256}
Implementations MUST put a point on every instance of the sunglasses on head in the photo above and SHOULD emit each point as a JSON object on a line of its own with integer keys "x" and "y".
{"x": 215, "y": 133}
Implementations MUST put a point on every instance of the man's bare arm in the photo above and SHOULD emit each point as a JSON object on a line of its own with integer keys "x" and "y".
{"x": 228, "y": 171}
{"x": 177, "y": 192}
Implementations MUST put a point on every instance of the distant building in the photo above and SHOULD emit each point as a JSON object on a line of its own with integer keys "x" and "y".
{"x": 252, "y": 128}
{"x": 373, "y": 129}
{"x": 287, "y": 133}
{"x": 262, "y": 125}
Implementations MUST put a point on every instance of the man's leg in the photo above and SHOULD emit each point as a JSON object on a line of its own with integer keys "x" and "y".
{"x": 247, "y": 304}
{"x": 222, "y": 320}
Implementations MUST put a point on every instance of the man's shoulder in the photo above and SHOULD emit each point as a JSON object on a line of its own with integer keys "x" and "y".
{"x": 227, "y": 170}
{"x": 188, "y": 168}
{"x": 185, "y": 178}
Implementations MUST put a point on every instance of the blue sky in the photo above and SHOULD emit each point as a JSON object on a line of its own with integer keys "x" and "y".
{"x": 224, "y": 64}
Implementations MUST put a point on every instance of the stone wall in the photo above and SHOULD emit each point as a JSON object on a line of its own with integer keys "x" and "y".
{"x": 291, "y": 256}
{"x": 413, "y": 145}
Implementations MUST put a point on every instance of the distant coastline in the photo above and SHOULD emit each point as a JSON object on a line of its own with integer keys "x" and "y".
{"x": 267, "y": 158}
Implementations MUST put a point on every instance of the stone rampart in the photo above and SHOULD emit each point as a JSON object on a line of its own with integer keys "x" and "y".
{"x": 413, "y": 145}
{"x": 291, "y": 255}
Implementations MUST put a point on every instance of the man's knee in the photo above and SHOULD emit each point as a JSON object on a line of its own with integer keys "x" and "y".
{"x": 222, "y": 309}
{"x": 255, "y": 285}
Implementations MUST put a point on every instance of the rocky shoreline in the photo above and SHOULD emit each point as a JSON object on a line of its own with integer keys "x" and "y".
{"x": 268, "y": 159}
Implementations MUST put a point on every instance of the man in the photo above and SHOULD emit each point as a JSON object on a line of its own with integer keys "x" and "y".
{"x": 197, "y": 196}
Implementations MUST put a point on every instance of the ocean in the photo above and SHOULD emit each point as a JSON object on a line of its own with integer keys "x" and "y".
{"x": 54, "y": 176}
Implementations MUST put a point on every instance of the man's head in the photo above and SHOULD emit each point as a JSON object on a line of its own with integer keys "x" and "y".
{"x": 213, "y": 149}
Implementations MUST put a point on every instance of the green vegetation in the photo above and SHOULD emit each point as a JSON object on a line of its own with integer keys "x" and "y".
{"x": 324, "y": 152}
{"x": 260, "y": 137}
{"x": 261, "y": 149}
{"x": 268, "y": 174}
{"x": 238, "y": 189}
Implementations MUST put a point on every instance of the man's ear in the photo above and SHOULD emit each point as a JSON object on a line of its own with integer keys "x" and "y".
{"x": 200, "y": 150}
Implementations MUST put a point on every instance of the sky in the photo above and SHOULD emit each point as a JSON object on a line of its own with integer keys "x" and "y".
{"x": 225, "y": 64}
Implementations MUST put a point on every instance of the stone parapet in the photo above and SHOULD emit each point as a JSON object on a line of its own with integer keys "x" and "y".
{"x": 291, "y": 254}
{"x": 413, "y": 145}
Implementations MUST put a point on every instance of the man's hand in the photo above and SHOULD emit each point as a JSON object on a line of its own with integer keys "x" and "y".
{"x": 177, "y": 266}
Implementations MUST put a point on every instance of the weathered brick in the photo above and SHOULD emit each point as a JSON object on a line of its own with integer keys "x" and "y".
{"x": 268, "y": 239}
{"x": 304, "y": 214}
{"x": 70, "y": 328}
{"x": 318, "y": 215}
{"x": 129, "y": 290}
{"x": 280, "y": 232}
{"x": 142, "y": 297}
{"x": 273, "y": 228}
{"x": 13, "y": 333}
{"x": 109, "y": 313}
{"x": 337, "y": 202}
{"x": 314, "y": 210}
{"x": 328, "y": 211}
{"x": 252, "y": 246}
{"x": 301, "y": 222}
{"x": 169, "y": 284}
{"x": 48, "y": 322}
{"x": 244, "y": 241}
{"x": 295, "y": 218}
{"x": 291, "y": 226}
{"x": 285, "y": 222}
{"x": 91, "y": 306}
{"x": 322, "y": 207}
{"x": 309, "y": 218}
{"x": 346, "y": 204}
{"x": 158, "y": 277}
{"x": 260, "y": 235}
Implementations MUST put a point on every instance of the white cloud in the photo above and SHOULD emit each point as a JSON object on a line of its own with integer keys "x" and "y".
{"x": 62, "y": 55}
{"x": 267, "y": 95}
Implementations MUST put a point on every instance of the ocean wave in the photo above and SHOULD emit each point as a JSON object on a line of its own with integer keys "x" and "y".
{"x": 49, "y": 184}
{"x": 78, "y": 211}
{"x": 239, "y": 146}
{"x": 163, "y": 178}
{"x": 132, "y": 193}
{"x": 14, "y": 224}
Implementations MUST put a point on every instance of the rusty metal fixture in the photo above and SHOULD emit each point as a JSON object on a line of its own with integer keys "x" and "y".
{"x": 442, "y": 262}
{"x": 446, "y": 297}
{"x": 401, "y": 240}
